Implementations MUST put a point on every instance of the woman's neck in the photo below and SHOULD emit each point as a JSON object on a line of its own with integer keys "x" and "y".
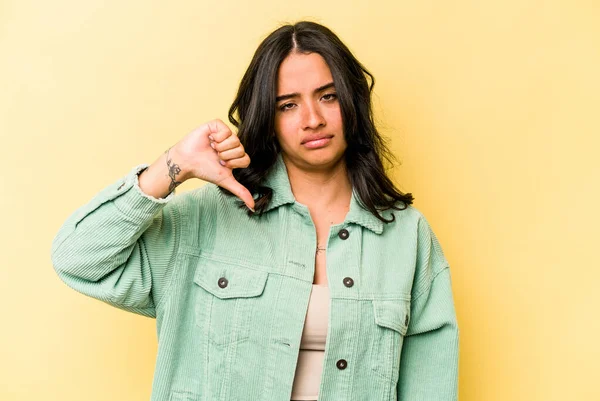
{"x": 320, "y": 189}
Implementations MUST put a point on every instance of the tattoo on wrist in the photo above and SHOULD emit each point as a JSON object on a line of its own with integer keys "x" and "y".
{"x": 174, "y": 169}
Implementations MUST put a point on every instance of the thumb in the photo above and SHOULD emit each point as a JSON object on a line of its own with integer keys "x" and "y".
{"x": 233, "y": 186}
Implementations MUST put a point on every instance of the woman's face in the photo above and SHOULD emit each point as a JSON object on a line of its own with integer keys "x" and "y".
{"x": 308, "y": 119}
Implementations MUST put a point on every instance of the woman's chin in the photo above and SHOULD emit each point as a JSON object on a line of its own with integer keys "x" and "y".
{"x": 318, "y": 160}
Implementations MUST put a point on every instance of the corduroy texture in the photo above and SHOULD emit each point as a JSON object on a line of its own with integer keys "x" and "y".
{"x": 395, "y": 327}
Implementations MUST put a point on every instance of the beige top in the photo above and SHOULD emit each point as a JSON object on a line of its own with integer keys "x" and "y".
{"x": 312, "y": 346}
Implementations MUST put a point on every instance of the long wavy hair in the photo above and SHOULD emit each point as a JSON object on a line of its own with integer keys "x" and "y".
{"x": 255, "y": 105}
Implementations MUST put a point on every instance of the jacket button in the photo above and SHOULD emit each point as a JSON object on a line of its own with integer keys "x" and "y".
{"x": 343, "y": 234}
{"x": 406, "y": 320}
{"x": 341, "y": 364}
{"x": 348, "y": 282}
{"x": 223, "y": 282}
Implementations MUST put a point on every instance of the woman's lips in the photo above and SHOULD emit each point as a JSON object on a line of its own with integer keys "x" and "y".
{"x": 317, "y": 141}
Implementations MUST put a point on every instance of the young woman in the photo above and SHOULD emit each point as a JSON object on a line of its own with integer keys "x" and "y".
{"x": 299, "y": 271}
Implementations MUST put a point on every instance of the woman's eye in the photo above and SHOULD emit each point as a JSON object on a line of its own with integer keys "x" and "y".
{"x": 330, "y": 96}
{"x": 286, "y": 106}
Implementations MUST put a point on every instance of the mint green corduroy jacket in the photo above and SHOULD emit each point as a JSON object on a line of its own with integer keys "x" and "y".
{"x": 230, "y": 293}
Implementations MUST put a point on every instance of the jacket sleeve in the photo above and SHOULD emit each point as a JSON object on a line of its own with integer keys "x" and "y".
{"x": 429, "y": 359}
{"x": 120, "y": 247}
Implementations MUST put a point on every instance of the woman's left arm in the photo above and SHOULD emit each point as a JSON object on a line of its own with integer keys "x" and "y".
{"x": 429, "y": 360}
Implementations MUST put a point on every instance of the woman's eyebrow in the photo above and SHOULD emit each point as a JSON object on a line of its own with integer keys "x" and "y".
{"x": 295, "y": 94}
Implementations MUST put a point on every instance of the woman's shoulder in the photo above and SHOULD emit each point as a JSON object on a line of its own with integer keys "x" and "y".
{"x": 403, "y": 213}
{"x": 409, "y": 220}
{"x": 415, "y": 220}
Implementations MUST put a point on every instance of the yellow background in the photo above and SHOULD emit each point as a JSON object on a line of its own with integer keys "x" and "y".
{"x": 492, "y": 107}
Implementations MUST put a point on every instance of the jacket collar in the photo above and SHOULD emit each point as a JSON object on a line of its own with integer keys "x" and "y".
{"x": 277, "y": 179}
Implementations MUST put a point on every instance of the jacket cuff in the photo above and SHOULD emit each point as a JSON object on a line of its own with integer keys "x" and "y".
{"x": 132, "y": 201}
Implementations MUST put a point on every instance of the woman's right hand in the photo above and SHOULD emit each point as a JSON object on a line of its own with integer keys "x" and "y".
{"x": 210, "y": 153}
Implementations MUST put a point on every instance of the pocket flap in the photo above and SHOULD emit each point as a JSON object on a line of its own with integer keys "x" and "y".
{"x": 394, "y": 315}
{"x": 236, "y": 281}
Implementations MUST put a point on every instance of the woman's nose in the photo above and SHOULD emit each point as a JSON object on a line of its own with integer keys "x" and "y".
{"x": 313, "y": 118}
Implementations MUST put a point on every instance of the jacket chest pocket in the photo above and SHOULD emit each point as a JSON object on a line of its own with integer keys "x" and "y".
{"x": 228, "y": 295}
{"x": 391, "y": 319}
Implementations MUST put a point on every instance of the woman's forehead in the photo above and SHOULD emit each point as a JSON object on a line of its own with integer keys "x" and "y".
{"x": 300, "y": 73}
